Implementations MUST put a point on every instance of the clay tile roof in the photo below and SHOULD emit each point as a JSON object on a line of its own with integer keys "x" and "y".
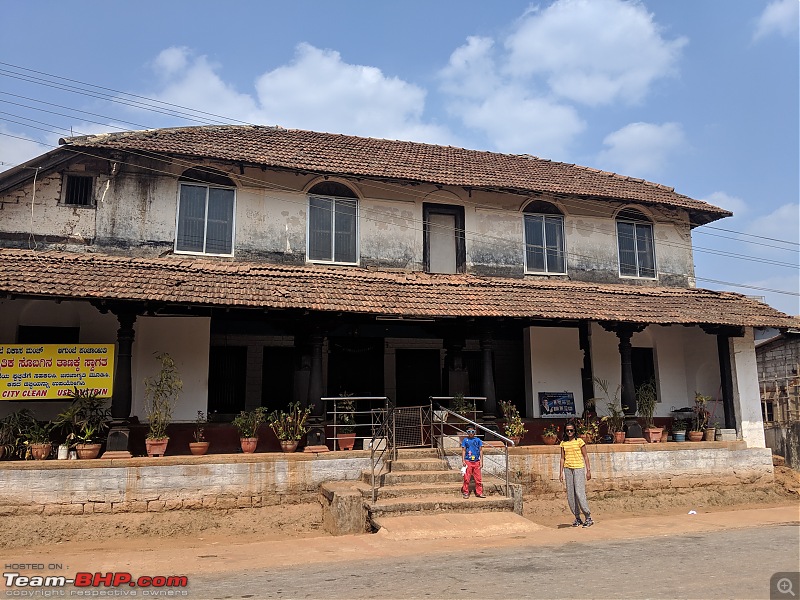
{"x": 391, "y": 159}
{"x": 204, "y": 282}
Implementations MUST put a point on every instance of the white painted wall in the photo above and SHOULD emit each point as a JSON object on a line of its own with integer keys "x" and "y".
{"x": 746, "y": 396}
{"x": 187, "y": 340}
{"x": 555, "y": 361}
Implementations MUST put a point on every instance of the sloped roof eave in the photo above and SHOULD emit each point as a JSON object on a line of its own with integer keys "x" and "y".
{"x": 180, "y": 280}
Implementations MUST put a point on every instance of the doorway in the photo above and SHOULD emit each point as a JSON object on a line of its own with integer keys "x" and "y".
{"x": 418, "y": 375}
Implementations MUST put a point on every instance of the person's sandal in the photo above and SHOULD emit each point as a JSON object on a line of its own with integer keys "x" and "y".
{"x": 577, "y": 523}
{"x": 465, "y": 496}
{"x": 480, "y": 496}
{"x": 588, "y": 522}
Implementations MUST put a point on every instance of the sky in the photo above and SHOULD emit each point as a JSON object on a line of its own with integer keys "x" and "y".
{"x": 699, "y": 95}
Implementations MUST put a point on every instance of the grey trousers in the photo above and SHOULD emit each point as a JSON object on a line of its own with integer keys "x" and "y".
{"x": 576, "y": 491}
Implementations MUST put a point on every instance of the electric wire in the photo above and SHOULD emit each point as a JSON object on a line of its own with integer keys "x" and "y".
{"x": 708, "y": 250}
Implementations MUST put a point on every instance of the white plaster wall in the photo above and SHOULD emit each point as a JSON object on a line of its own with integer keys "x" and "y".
{"x": 46, "y": 217}
{"x": 187, "y": 340}
{"x": 685, "y": 361}
{"x": 555, "y": 364}
{"x": 746, "y": 396}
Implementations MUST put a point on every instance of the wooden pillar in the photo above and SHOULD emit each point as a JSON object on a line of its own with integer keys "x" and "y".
{"x": 122, "y": 395}
{"x": 487, "y": 356}
{"x": 315, "y": 378}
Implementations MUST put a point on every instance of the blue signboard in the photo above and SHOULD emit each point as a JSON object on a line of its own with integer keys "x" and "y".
{"x": 557, "y": 404}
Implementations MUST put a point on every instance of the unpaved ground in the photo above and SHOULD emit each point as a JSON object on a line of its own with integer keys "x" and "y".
{"x": 305, "y": 520}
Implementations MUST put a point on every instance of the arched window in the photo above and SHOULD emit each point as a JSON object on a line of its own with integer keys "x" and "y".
{"x": 206, "y": 209}
{"x": 635, "y": 243}
{"x": 544, "y": 239}
{"x": 332, "y": 223}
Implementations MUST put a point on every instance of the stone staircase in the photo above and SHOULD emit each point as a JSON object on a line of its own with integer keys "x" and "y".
{"x": 420, "y": 482}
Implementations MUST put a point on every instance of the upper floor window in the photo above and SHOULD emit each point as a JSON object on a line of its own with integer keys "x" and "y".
{"x": 206, "y": 204}
{"x": 544, "y": 239}
{"x": 635, "y": 243}
{"x": 444, "y": 249}
{"x": 332, "y": 223}
{"x": 78, "y": 190}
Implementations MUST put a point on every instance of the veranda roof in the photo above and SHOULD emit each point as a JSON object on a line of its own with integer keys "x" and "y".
{"x": 194, "y": 281}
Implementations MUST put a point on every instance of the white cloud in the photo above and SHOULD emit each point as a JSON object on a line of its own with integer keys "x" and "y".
{"x": 193, "y": 82}
{"x": 519, "y": 124}
{"x": 320, "y": 91}
{"x": 724, "y": 200}
{"x": 317, "y": 91}
{"x": 641, "y": 149}
{"x": 17, "y": 148}
{"x": 779, "y": 18}
{"x": 783, "y": 223}
{"x": 593, "y": 51}
{"x": 471, "y": 71}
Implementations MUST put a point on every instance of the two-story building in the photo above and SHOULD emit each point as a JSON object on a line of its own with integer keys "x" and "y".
{"x": 278, "y": 265}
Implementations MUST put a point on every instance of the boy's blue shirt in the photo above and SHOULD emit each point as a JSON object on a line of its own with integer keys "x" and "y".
{"x": 473, "y": 446}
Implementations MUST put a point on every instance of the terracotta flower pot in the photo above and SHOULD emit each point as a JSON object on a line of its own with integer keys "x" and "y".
{"x": 289, "y": 445}
{"x": 198, "y": 448}
{"x": 619, "y": 437}
{"x": 345, "y": 441}
{"x": 156, "y": 447}
{"x": 248, "y": 444}
{"x": 652, "y": 434}
{"x": 710, "y": 434}
{"x": 88, "y": 451}
{"x": 549, "y": 440}
{"x": 41, "y": 451}
{"x": 695, "y": 436}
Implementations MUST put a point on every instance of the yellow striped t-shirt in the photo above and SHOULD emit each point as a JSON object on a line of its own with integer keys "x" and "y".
{"x": 573, "y": 458}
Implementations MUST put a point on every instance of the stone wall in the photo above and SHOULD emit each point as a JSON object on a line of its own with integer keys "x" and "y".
{"x": 239, "y": 481}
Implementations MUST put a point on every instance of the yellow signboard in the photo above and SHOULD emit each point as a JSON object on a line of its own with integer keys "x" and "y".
{"x": 53, "y": 371}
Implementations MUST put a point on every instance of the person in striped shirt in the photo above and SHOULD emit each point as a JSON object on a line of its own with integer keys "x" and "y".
{"x": 575, "y": 465}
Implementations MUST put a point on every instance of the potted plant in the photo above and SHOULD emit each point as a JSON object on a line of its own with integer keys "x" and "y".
{"x": 85, "y": 422}
{"x": 588, "y": 429}
{"x": 699, "y": 417}
{"x": 615, "y": 419}
{"x": 550, "y": 434}
{"x": 514, "y": 427}
{"x": 247, "y": 423}
{"x": 31, "y": 435}
{"x": 646, "y": 398}
{"x": 678, "y": 430}
{"x": 160, "y": 397}
{"x": 199, "y": 446}
{"x": 290, "y": 426}
{"x": 461, "y": 405}
{"x": 8, "y": 438}
{"x": 344, "y": 421}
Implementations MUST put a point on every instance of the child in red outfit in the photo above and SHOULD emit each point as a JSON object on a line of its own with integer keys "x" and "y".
{"x": 472, "y": 458}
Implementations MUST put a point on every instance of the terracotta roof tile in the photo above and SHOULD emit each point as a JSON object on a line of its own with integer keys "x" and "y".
{"x": 204, "y": 282}
{"x": 410, "y": 161}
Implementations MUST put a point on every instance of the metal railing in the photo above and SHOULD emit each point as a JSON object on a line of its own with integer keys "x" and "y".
{"x": 382, "y": 446}
{"x": 371, "y": 417}
{"x": 440, "y": 425}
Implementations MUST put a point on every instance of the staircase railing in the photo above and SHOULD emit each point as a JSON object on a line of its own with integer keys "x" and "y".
{"x": 439, "y": 424}
{"x": 382, "y": 446}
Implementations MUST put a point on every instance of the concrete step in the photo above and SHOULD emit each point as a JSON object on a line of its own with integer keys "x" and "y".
{"x": 415, "y": 453}
{"x": 401, "y": 477}
{"x": 491, "y": 485}
{"x": 437, "y": 504}
{"x": 419, "y": 464}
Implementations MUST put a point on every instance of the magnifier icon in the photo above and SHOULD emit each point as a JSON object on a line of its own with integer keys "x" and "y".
{"x": 784, "y": 586}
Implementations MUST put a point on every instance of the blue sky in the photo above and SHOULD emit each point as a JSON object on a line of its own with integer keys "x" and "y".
{"x": 701, "y": 95}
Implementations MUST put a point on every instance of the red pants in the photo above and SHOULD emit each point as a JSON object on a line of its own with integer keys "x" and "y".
{"x": 473, "y": 470}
